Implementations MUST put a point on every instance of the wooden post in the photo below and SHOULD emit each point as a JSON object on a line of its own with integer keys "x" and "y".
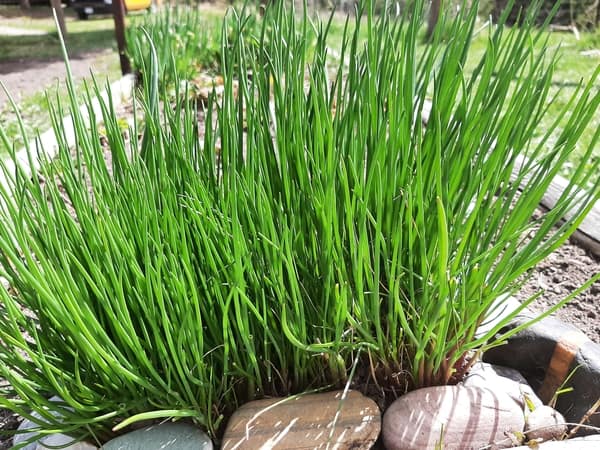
{"x": 434, "y": 17}
{"x": 262, "y": 6}
{"x": 119, "y": 17}
{"x": 60, "y": 17}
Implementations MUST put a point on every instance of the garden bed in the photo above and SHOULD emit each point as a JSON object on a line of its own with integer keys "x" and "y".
{"x": 290, "y": 246}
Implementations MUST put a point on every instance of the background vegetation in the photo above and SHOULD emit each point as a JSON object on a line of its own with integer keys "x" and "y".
{"x": 83, "y": 35}
{"x": 34, "y": 51}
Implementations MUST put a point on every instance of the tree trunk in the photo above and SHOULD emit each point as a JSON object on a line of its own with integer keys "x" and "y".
{"x": 118, "y": 9}
{"x": 25, "y": 4}
{"x": 262, "y": 6}
{"x": 434, "y": 17}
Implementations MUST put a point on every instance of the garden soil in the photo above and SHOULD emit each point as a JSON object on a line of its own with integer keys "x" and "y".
{"x": 561, "y": 273}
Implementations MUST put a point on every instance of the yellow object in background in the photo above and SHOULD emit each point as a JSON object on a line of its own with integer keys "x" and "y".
{"x": 86, "y": 8}
{"x": 136, "y": 5}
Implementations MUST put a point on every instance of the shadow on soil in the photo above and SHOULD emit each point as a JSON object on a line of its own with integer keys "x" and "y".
{"x": 47, "y": 46}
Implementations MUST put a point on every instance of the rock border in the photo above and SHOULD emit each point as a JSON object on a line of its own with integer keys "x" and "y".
{"x": 552, "y": 355}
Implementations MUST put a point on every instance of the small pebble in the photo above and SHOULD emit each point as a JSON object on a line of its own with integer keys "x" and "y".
{"x": 545, "y": 424}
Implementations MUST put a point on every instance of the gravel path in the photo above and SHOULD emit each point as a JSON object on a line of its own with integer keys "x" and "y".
{"x": 26, "y": 77}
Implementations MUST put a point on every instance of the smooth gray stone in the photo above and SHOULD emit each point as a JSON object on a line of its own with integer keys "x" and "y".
{"x": 22, "y": 437}
{"x": 45, "y": 441}
{"x": 501, "y": 378}
{"x": 530, "y": 352}
{"x": 50, "y": 440}
{"x": 54, "y": 440}
{"x": 175, "y": 436}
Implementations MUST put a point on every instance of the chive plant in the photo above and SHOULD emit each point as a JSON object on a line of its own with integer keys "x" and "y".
{"x": 315, "y": 224}
{"x": 186, "y": 42}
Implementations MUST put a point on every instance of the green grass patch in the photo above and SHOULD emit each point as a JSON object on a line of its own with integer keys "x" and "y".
{"x": 47, "y": 46}
{"x": 82, "y": 36}
{"x": 186, "y": 39}
{"x": 35, "y": 115}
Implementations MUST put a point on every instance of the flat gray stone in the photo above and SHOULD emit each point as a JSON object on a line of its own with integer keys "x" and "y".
{"x": 53, "y": 441}
{"x": 456, "y": 417}
{"x": 501, "y": 378}
{"x": 168, "y": 435}
{"x": 49, "y": 440}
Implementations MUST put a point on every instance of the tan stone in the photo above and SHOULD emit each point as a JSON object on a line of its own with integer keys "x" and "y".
{"x": 312, "y": 421}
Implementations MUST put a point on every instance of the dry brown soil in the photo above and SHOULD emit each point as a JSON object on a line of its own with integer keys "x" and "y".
{"x": 560, "y": 274}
